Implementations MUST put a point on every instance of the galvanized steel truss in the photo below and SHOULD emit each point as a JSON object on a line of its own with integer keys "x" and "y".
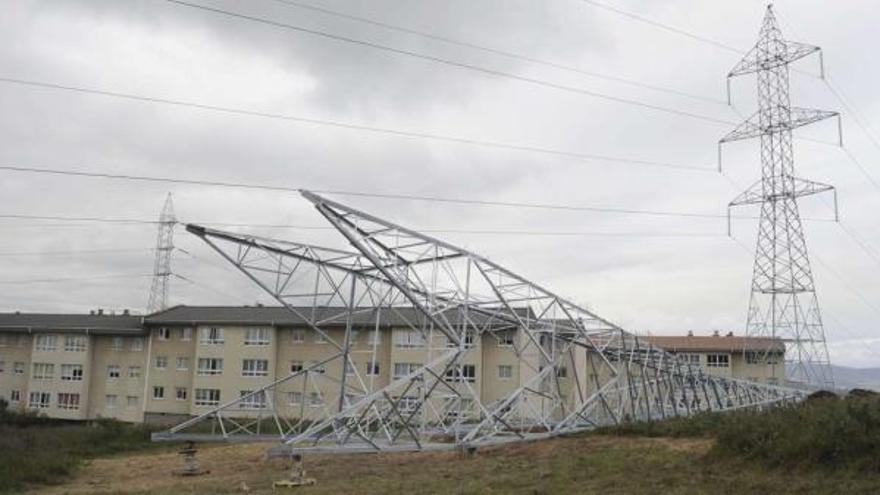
{"x": 783, "y": 303}
{"x": 159, "y": 288}
{"x": 574, "y": 370}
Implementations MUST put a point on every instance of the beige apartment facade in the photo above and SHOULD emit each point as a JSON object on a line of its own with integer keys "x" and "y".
{"x": 748, "y": 358}
{"x": 187, "y": 360}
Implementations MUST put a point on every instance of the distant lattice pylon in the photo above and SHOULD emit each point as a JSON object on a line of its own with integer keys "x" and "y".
{"x": 162, "y": 265}
{"x": 783, "y": 304}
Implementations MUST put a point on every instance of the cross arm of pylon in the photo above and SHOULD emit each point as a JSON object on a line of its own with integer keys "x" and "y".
{"x": 757, "y": 59}
{"x": 761, "y": 191}
{"x": 799, "y": 117}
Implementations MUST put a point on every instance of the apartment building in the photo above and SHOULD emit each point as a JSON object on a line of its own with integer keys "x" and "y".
{"x": 73, "y": 366}
{"x": 748, "y": 358}
{"x": 182, "y": 362}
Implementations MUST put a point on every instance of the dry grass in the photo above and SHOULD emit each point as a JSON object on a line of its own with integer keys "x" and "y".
{"x": 589, "y": 464}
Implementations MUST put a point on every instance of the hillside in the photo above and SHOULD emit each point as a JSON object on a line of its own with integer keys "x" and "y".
{"x": 868, "y": 378}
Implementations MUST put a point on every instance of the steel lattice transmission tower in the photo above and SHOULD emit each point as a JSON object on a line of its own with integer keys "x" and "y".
{"x": 783, "y": 301}
{"x": 162, "y": 264}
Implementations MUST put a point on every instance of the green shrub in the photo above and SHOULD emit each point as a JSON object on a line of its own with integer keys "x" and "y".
{"x": 824, "y": 431}
{"x": 40, "y": 450}
{"x": 832, "y": 433}
{"x": 700, "y": 425}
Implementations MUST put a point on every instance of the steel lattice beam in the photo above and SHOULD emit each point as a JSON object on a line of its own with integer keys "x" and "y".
{"x": 783, "y": 302}
{"x": 575, "y": 370}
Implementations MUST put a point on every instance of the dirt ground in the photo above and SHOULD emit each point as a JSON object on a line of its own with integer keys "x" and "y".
{"x": 566, "y": 465}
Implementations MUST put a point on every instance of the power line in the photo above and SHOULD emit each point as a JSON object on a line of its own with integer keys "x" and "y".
{"x": 391, "y": 196}
{"x": 452, "y": 63}
{"x": 73, "y": 252}
{"x": 496, "y": 51}
{"x": 18, "y": 216}
{"x": 354, "y": 127}
{"x": 830, "y": 270}
{"x": 72, "y": 279}
{"x": 665, "y": 27}
{"x": 209, "y": 288}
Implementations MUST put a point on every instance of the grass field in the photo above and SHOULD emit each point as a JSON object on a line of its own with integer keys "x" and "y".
{"x": 826, "y": 446}
{"x": 589, "y": 464}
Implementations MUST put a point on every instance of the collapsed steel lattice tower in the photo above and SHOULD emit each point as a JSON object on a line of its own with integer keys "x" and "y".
{"x": 783, "y": 301}
{"x": 162, "y": 264}
{"x": 574, "y": 370}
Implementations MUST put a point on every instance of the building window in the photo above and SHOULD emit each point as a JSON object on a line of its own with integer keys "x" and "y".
{"x": 372, "y": 369}
{"x": 46, "y": 342}
{"x": 403, "y": 369}
{"x": 186, "y": 334}
{"x": 182, "y": 363}
{"x": 2, "y": 366}
{"x": 15, "y": 396}
{"x": 251, "y": 400}
{"x": 561, "y": 372}
{"x": 161, "y": 362}
{"x": 296, "y": 366}
{"x": 117, "y": 343}
{"x": 256, "y": 336}
{"x": 255, "y": 367}
{"x": 211, "y": 336}
{"x": 374, "y": 337}
{"x": 112, "y": 371}
{"x": 134, "y": 371}
{"x": 39, "y": 400}
{"x": 210, "y": 366}
{"x": 75, "y": 343}
{"x": 131, "y": 401}
{"x": 349, "y": 367}
{"x": 691, "y": 358}
{"x": 505, "y": 372}
{"x": 164, "y": 333}
{"x": 180, "y": 393}
{"x": 68, "y": 401}
{"x": 320, "y": 338}
{"x": 314, "y": 367}
{"x": 207, "y": 397}
{"x": 44, "y": 371}
{"x": 297, "y": 336}
{"x": 294, "y": 398}
{"x": 315, "y": 399}
{"x": 718, "y": 360}
{"x": 759, "y": 357}
{"x": 110, "y": 401}
{"x": 407, "y": 404}
{"x": 72, "y": 372}
{"x": 137, "y": 344}
{"x": 18, "y": 368}
{"x": 505, "y": 338}
{"x": 158, "y": 393}
{"x": 408, "y": 339}
{"x": 462, "y": 373}
{"x": 470, "y": 338}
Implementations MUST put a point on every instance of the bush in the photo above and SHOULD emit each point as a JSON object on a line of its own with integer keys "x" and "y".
{"x": 824, "y": 431}
{"x": 832, "y": 433}
{"x": 36, "y": 449}
{"x": 700, "y": 425}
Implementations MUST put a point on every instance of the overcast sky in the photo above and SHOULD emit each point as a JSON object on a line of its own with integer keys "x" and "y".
{"x": 696, "y": 279}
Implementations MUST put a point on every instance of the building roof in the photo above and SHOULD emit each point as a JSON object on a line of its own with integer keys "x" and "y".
{"x": 277, "y": 315}
{"x": 724, "y": 343}
{"x": 99, "y": 324}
